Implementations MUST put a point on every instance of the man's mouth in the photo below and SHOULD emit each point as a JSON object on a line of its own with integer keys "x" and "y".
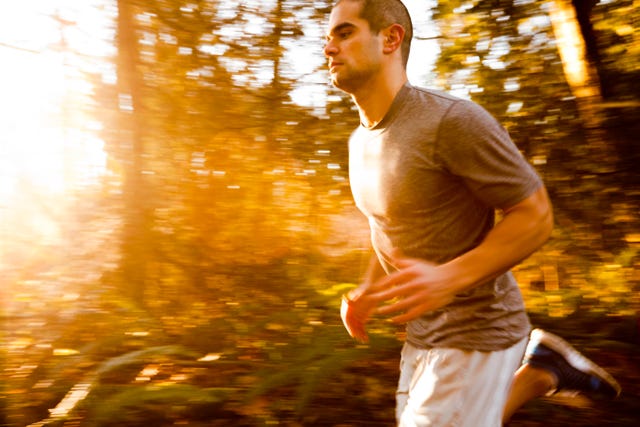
{"x": 334, "y": 65}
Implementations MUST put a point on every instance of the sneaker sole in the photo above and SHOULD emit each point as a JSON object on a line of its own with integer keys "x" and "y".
{"x": 574, "y": 357}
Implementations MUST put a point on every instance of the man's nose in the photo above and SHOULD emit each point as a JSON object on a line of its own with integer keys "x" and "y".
{"x": 330, "y": 49}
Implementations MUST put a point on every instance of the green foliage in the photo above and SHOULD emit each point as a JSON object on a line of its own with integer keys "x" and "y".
{"x": 309, "y": 367}
{"x": 159, "y": 405}
{"x": 565, "y": 278}
{"x": 125, "y": 367}
{"x": 337, "y": 290}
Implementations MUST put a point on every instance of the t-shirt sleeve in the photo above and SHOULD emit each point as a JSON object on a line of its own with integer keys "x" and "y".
{"x": 472, "y": 145}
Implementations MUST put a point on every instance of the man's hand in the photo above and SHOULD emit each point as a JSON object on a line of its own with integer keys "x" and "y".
{"x": 418, "y": 286}
{"x": 355, "y": 312}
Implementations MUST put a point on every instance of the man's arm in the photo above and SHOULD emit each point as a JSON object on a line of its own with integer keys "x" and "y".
{"x": 373, "y": 273}
{"x": 523, "y": 229}
{"x": 421, "y": 286}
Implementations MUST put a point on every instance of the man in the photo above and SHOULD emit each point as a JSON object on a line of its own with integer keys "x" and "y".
{"x": 429, "y": 170}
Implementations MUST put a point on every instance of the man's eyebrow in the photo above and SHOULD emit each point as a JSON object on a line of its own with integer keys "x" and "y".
{"x": 340, "y": 27}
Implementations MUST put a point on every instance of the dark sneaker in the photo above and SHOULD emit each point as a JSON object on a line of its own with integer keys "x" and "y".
{"x": 574, "y": 371}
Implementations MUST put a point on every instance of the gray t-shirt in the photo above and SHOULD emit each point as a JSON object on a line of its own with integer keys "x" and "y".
{"x": 429, "y": 177}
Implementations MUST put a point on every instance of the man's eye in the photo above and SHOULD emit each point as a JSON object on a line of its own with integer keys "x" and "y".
{"x": 344, "y": 34}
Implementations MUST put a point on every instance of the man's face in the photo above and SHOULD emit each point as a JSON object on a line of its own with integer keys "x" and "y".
{"x": 354, "y": 53}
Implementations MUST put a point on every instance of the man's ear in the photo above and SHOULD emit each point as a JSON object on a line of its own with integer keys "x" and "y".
{"x": 393, "y": 36}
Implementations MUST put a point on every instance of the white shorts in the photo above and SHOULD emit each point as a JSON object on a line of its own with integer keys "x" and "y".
{"x": 447, "y": 387}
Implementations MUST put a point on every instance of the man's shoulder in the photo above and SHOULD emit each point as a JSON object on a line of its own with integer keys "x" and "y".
{"x": 432, "y": 93}
{"x": 437, "y": 104}
{"x": 435, "y": 98}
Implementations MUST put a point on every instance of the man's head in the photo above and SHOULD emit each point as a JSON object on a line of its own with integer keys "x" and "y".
{"x": 368, "y": 40}
{"x": 381, "y": 14}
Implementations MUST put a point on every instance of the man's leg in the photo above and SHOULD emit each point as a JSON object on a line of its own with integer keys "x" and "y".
{"x": 551, "y": 364}
{"x": 528, "y": 383}
{"x": 445, "y": 387}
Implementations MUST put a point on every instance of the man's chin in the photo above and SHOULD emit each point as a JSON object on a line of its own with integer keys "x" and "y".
{"x": 345, "y": 85}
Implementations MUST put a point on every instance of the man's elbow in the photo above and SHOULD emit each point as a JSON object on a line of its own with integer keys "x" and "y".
{"x": 545, "y": 216}
{"x": 538, "y": 212}
{"x": 546, "y": 224}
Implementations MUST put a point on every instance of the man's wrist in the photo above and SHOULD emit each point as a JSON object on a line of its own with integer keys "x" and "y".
{"x": 458, "y": 278}
{"x": 356, "y": 293}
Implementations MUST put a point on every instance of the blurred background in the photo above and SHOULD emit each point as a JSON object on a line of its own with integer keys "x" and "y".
{"x": 176, "y": 224}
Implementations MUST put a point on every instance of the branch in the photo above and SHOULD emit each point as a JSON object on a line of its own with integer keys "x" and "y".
{"x": 24, "y": 49}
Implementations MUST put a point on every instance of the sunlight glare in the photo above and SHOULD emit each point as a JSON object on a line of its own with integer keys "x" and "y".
{"x": 49, "y": 143}
{"x": 44, "y": 142}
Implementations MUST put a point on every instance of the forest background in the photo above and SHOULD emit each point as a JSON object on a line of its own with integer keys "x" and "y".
{"x": 177, "y": 226}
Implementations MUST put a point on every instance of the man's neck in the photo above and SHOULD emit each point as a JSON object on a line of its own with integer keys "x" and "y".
{"x": 374, "y": 101}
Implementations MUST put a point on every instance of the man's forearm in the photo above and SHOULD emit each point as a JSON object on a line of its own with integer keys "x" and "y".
{"x": 373, "y": 272}
{"x": 523, "y": 229}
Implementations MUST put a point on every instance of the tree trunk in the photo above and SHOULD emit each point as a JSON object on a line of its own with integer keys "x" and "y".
{"x": 583, "y": 79}
{"x": 583, "y": 10}
{"x": 136, "y": 212}
{"x": 581, "y": 75}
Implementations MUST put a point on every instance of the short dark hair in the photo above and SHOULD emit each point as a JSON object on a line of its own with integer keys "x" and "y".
{"x": 380, "y": 14}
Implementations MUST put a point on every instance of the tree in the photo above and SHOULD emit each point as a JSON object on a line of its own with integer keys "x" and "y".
{"x": 131, "y": 142}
